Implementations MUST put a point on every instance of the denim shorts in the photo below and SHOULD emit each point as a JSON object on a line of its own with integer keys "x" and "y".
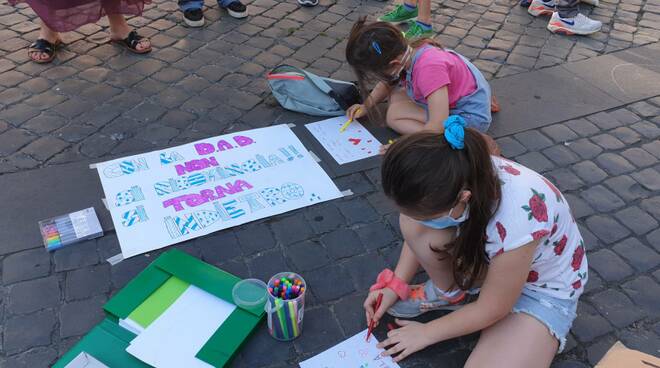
{"x": 556, "y": 314}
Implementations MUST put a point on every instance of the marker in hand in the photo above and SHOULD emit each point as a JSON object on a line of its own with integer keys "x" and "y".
{"x": 348, "y": 122}
{"x": 372, "y": 323}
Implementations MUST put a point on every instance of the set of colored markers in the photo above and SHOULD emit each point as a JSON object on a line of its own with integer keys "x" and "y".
{"x": 61, "y": 231}
{"x": 285, "y": 306}
{"x": 286, "y": 288}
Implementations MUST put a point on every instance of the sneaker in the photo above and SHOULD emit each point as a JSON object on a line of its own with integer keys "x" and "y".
{"x": 416, "y": 31}
{"x": 193, "y": 17}
{"x": 525, "y": 3}
{"x": 425, "y": 298}
{"x": 308, "y": 3}
{"x": 579, "y": 25}
{"x": 541, "y": 7}
{"x": 237, "y": 10}
{"x": 399, "y": 14}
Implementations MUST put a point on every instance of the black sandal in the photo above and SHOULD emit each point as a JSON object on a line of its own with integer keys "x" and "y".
{"x": 44, "y": 47}
{"x": 131, "y": 41}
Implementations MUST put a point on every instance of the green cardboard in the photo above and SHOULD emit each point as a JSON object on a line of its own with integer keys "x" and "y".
{"x": 107, "y": 341}
{"x": 158, "y": 302}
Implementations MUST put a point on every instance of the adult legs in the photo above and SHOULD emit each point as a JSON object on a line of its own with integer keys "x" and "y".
{"x": 119, "y": 30}
{"x": 567, "y": 8}
{"x": 45, "y": 33}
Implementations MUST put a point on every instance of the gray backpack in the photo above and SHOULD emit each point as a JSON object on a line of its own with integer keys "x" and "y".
{"x": 301, "y": 91}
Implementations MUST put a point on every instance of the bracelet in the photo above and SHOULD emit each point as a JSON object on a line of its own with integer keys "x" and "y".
{"x": 387, "y": 279}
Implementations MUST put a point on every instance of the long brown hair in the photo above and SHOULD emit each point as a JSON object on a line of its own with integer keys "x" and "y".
{"x": 371, "y": 63}
{"x": 424, "y": 176}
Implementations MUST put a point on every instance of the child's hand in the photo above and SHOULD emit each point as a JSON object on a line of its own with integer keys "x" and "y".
{"x": 409, "y": 338}
{"x": 356, "y": 111}
{"x": 389, "y": 298}
{"x": 383, "y": 148}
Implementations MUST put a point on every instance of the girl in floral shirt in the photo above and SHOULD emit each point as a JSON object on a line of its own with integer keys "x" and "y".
{"x": 472, "y": 220}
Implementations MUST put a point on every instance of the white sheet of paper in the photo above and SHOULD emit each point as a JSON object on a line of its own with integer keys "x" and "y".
{"x": 174, "y": 338}
{"x": 354, "y": 143}
{"x": 179, "y": 193}
{"x": 354, "y": 352}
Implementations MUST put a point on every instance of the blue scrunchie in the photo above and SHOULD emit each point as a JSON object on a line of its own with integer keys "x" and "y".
{"x": 455, "y": 131}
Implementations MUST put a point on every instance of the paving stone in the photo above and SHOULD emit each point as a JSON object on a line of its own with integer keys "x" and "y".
{"x": 645, "y": 109}
{"x": 267, "y": 264}
{"x": 342, "y": 243}
{"x": 69, "y": 258}
{"x": 307, "y": 255}
{"x": 321, "y": 330}
{"x": 510, "y": 147}
{"x": 329, "y": 283}
{"x": 585, "y": 149}
{"x": 561, "y": 155}
{"x": 261, "y": 350}
{"x": 638, "y": 338}
{"x": 617, "y": 308}
{"x": 375, "y": 235}
{"x": 626, "y": 135}
{"x": 614, "y": 164}
{"x": 559, "y": 133}
{"x": 218, "y": 247}
{"x": 25, "y": 265}
{"x": 607, "y": 229}
{"x": 639, "y": 157}
{"x": 565, "y": 179}
{"x": 637, "y": 220}
{"x": 533, "y": 140}
{"x": 596, "y": 351}
{"x": 637, "y": 254}
{"x": 626, "y": 188}
{"x": 44, "y": 148}
{"x": 33, "y": 358}
{"x": 605, "y": 121}
{"x": 608, "y": 141}
{"x": 649, "y": 178}
{"x": 33, "y": 295}
{"x": 602, "y": 199}
{"x": 355, "y": 182}
{"x": 357, "y": 210}
{"x": 582, "y": 127}
{"x": 653, "y": 148}
{"x": 85, "y": 282}
{"x": 77, "y": 318}
{"x": 291, "y": 229}
{"x": 589, "y": 324}
{"x": 535, "y": 161}
{"x": 18, "y": 113}
{"x": 364, "y": 269}
{"x": 579, "y": 207}
{"x": 45, "y": 123}
{"x": 324, "y": 218}
{"x": 647, "y": 129}
{"x": 17, "y": 338}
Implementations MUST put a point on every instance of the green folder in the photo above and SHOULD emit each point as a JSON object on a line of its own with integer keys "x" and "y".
{"x": 164, "y": 278}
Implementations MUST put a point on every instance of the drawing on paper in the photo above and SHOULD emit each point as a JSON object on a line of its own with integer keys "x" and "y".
{"x": 355, "y": 143}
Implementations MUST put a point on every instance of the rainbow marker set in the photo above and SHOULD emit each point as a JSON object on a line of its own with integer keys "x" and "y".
{"x": 74, "y": 227}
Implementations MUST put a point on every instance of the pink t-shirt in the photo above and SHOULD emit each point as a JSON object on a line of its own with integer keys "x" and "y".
{"x": 437, "y": 68}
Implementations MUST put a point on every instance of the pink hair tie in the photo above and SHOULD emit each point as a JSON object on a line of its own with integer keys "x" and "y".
{"x": 387, "y": 279}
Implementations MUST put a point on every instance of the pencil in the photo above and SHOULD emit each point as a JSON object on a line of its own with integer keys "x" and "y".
{"x": 372, "y": 322}
{"x": 347, "y": 123}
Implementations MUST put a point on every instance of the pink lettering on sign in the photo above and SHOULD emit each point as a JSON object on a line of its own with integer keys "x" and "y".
{"x": 242, "y": 140}
{"x": 196, "y": 165}
{"x": 207, "y": 195}
{"x": 204, "y": 148}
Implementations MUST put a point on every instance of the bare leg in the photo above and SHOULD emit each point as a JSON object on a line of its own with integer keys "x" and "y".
{"x": 120, "y": 29}
{"x": 424, "y": 11}
{"x": 47, "y": 34}
{"x": 410, "y": 2}
{"x": 420, "y": 239}
{"x": 404, "y": 115}
{"x": 517, "y": 341}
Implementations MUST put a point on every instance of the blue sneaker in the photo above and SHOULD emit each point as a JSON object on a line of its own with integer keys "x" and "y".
{"x": 425, "y": 298}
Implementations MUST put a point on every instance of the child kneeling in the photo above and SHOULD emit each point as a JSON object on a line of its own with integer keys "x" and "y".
{"x": 423, "y": 82}
{"x": 478, "y": 224}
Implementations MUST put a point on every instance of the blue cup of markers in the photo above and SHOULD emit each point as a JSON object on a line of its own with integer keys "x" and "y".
{"x": 286, "y": 305}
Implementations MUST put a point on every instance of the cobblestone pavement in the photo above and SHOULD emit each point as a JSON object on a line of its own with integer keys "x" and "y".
{"x": 98, "y": 101}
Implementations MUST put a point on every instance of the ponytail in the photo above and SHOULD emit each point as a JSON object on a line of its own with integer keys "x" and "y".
{"x": 424, "y": 175}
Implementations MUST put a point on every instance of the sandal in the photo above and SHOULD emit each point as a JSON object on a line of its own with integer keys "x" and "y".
{"x": 131, "y": 42}
{"x": 45, "y": 47}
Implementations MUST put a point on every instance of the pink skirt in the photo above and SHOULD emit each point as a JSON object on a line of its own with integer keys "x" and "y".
{"x": 67, "y": 15}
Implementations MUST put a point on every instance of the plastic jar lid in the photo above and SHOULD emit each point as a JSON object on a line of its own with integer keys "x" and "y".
{"x": 250, "y": 293}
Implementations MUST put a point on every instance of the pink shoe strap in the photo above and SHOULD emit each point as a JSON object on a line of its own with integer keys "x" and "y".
{"x": 387, "y": 279}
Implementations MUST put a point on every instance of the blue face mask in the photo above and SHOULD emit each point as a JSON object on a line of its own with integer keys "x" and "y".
{"x": 446, "y": 221}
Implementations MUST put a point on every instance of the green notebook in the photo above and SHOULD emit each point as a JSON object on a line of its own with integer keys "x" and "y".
{"x": 148, "y": 295}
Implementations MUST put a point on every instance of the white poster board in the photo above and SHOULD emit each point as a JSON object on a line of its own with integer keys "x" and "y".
{"x": 176, "y": 194}
{"x": 355, "y": 352}
{"x": 354, "y": 143}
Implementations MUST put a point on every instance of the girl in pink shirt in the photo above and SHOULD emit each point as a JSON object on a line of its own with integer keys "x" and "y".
{"x": 423, "y": 82}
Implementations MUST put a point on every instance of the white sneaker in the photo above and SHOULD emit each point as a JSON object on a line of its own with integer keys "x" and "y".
{"x": 579, "y": 25}
{"x": 541, "y": 7}
{"x": 591, "y": 2}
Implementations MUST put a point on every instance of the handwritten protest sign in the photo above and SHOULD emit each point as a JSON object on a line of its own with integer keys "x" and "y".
{"x": 169, "y": 196}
